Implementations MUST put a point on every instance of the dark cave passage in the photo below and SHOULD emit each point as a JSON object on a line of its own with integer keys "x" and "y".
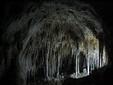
{"x": 54, "y": 44}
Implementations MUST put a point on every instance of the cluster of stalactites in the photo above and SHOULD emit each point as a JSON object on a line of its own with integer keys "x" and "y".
{"x": 61, "y": 57}
{"x": 62, "y": 45}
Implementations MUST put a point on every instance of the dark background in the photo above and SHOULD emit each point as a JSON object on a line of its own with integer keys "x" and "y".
{"x": 104, "y": 9}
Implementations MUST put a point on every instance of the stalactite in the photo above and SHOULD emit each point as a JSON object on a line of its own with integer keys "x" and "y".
{"x": 47, "y": 57}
